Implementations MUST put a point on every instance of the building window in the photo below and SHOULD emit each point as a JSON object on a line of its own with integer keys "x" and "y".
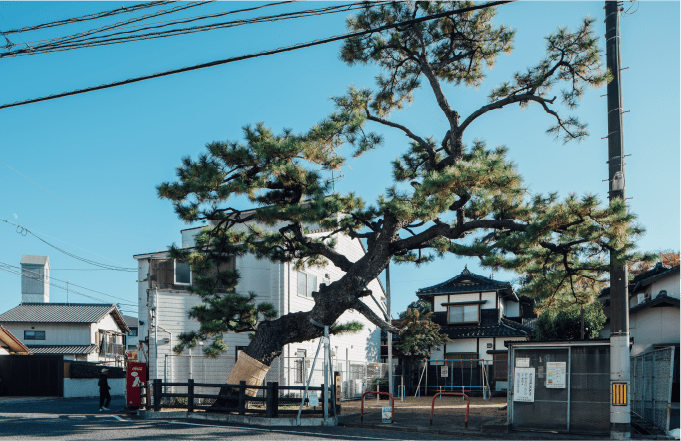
{"x": 306, "y": 284}
{"x": 34, "y": 335}
{"x": 183, "y": 273}
{"x": 133, "y": 332}
{"x": 463, "y": 314}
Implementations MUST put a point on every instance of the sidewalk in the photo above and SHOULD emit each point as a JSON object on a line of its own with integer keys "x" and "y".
{"x": 479, "y": 426}
{"x": 4, "y": 400}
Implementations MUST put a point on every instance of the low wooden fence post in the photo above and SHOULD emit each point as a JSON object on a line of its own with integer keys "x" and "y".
{"x": 269, "y": 402}
{"x": 275, "y": 399}
{"x": 190, "y": 395}
{"x": 157, "y": 395}
{"x": 242, "y": 398}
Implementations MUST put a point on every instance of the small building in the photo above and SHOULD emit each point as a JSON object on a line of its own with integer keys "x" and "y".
{"x": 132, "y": 338}
{"x": 78, "y": 331}
{"x": 478, "y": 314}
{"x": 653, "y": 309}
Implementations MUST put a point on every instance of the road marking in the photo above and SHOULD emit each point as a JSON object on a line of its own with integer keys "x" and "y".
{"x": 278, "y": 431}
{"x": 118, "y": 418}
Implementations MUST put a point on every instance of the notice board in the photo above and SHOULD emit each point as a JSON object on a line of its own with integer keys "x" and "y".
{"x": 523, "y": 385}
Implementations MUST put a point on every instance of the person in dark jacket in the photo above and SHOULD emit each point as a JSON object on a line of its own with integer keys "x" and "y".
{"x": 104, "y": 390}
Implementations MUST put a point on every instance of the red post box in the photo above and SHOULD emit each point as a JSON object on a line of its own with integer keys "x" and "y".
{"x": 134, "y": 384}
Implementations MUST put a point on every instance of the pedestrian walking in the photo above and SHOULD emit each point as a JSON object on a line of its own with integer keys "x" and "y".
{"x": 104, "y": 390}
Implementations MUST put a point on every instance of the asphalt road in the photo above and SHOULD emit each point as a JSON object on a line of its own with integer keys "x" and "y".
{"x": 80, "y": 419}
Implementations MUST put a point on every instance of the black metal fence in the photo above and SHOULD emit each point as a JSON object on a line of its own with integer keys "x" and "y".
{"x": 272, "y": 399}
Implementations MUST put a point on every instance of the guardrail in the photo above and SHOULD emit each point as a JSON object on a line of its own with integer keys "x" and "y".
{"x": 432, "y": 405}
{"x": 271, "y": 399}
{"x": 392, "y": 399}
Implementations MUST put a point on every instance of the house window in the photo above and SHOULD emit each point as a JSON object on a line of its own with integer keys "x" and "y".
{"x": 463, "y": 314}
{"x": 306, "y": 284}
{"x": 34, "y": 335}
{"x": 183, "y": 273}
{"x": 133, "y": 333}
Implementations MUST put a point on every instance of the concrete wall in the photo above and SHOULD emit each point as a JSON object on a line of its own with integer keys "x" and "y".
{"x": 87, "y": 387}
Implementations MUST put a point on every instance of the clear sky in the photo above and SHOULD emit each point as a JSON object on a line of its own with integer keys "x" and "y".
{"x": 100, "y": 155}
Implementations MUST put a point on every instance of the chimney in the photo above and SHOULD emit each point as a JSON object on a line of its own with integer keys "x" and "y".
{"x": 35, "y": 279}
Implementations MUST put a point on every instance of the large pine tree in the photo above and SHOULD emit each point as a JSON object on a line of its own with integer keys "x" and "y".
{"x": 466, "y": 200}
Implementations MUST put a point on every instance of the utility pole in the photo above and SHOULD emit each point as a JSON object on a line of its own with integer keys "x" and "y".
{"x": 620, "y": 410}
{"x": 390, "y": 334}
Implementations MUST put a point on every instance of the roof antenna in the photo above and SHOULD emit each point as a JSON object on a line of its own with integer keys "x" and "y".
{"x": 67, "y": 291}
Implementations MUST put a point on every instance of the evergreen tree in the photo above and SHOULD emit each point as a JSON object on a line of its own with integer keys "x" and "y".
{"x": 447, "y": 197}
{"x": 565, "y": 324}
{"x": 420, "y": 336}
{"x": 421, "y": 306}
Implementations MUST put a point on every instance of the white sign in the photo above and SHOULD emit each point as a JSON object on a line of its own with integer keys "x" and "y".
{"x": 555, "y": 374}
{"x": 387, "y": 415}
{"x": 522, "y": 362}
{"x": 444, "y": 371}
{"x": 523, "y": 385}
{"x": 314, "y": 399}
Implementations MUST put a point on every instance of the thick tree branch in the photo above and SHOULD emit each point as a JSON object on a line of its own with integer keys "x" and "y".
{"x": 335, "y": 257}
{"x": 427, "y": 147}
{"x": 367, "y": 312}
{"x": 505, "y": 102}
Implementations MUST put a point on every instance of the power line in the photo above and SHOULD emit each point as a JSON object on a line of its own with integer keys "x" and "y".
{"x": 67, "y": 204}
{"x": 56, "y": 286}
{"x": 60, "y": 280}
{"x": 57, "y": 46}
{"x": 121, "y": 10}
{"x": 23, "y": 231}
{"x": 259, "y": 54}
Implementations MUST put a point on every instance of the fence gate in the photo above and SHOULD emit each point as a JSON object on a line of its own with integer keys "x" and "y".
{"x": 562, "y": 387}
{"x": 652, "y": 376}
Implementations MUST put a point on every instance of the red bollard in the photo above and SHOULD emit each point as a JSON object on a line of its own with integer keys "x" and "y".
{"x": 432, "y": 406}
{"x": 392, "y": 401}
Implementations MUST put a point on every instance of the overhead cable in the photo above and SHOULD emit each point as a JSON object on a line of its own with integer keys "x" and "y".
{"x": 83, "y": 36}
{"x": 37, "y": 274}
{"x": 121, "y": 10}
{"x": 24, "y": 231}
{"x": 60, "y": 45}
{"x": 56, "y": 286}
{"x": 259, "y": 54}
{"x": 67, "y": 204}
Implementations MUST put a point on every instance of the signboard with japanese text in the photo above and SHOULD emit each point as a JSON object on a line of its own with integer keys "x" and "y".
{"x": 522, "y": 362}
{"x": 555, "y": 374}
{"x": 523, "y": 385}
{"x": 444, "y": 371}
{"x": 387, "y": 415}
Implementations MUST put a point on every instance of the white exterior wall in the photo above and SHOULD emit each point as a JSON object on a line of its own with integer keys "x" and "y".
{"x": 87, "y": 387}
{"x": 55, "y": 333}
{"x": 512, "y": 308}
{"x": 652, "y": 326}
{"x": 491, "y": 298}
{"x": 483, "y": 348}
{"x": 3, "y": 351}
{"x": 438, "y": 301}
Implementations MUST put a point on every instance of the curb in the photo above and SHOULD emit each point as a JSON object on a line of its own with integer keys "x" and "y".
{"x": 236, "y": 419}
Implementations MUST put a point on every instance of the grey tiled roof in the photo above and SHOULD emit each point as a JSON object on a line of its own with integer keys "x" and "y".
{"x": 34, "y": 260}
{"x": 62, "y": 313}
{"x": 63, "y": 349}
{"x": 499, "y": 330}
{"x": 466, "y": 282}
{"x": 132, "y": 322}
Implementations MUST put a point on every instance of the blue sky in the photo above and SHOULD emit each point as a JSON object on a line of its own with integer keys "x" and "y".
{"x": 103, "y": 153}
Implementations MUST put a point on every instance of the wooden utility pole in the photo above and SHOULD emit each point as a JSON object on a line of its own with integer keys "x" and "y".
{"x": 620, "y": 412}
